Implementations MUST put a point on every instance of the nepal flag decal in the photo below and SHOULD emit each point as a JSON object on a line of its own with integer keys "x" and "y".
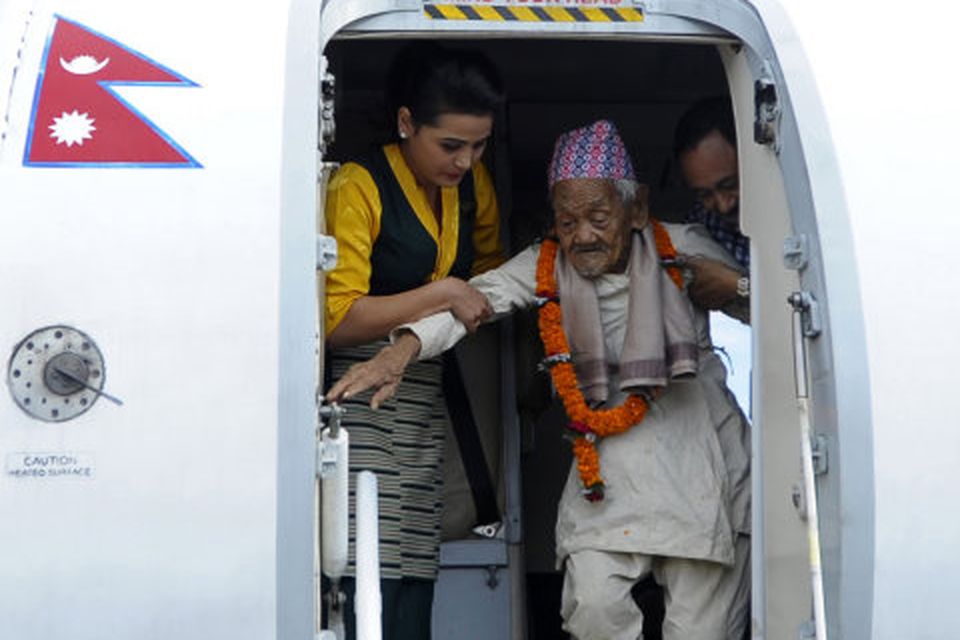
{"x": 78, "y": 120}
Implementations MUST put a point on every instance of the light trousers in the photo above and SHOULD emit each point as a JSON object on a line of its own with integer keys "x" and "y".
{"x": 702, "y": 600}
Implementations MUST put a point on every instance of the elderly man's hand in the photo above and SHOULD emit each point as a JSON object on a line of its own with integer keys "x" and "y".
{"x": 714, "y": 284}
{"x": 468, "y": 305}
{"x": 383, "y": 372}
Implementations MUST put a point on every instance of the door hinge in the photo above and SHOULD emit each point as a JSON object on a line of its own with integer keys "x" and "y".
{"x": 818, "y": 447}
{"x": 796, "y": 251}
{"x": 326, "y": 252}
{"x": 766, "y": 109}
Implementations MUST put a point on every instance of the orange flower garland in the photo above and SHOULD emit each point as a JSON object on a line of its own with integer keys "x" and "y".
{"x": 589, "y": 423}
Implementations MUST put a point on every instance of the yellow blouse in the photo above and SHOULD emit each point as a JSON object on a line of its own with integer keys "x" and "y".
{"x": 353, "y": 211}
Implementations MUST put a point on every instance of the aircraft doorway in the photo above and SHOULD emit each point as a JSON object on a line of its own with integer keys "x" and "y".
{"x": 554, "y": 85}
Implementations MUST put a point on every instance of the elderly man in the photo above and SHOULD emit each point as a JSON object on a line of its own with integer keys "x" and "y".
{"x": 661, "y": 481}
{"x": 705, "y": 145}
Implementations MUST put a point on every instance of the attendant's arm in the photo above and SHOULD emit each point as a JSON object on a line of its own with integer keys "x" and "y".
{"x": 371, "y": 318}
{"x": 352, "y": 315}
{"x": 507, "y": 288}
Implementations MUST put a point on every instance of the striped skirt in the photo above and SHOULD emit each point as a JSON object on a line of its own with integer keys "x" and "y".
{"x": 402, "y": 442}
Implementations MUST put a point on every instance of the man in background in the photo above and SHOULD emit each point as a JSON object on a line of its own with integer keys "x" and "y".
{"x": 705, "y": 146}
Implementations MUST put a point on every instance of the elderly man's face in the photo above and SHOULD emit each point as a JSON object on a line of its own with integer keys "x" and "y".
{"x": 592, "y": 225}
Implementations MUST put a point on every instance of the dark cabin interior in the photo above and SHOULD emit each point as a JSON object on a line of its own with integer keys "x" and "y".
{"x": 552, "y": 85}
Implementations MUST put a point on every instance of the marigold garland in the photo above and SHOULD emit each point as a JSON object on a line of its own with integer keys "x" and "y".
{"x": 589, "y": 424}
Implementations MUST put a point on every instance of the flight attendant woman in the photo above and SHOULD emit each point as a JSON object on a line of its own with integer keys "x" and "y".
{"x": 413, "y": 221}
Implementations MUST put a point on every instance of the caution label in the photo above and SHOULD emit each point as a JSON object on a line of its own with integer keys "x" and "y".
{"x": 31, "y": 464}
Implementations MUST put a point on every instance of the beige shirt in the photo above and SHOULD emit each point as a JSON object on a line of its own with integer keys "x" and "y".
{"x": 678, "y": 484}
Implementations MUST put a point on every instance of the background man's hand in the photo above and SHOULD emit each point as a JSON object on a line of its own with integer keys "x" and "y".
{"x": 383, "y": 372}
{"x": 468, "y": 305}
{"x": 714, "y": 284}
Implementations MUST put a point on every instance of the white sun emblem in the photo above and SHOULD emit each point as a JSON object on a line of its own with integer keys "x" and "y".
{"x": 72, "y": 128}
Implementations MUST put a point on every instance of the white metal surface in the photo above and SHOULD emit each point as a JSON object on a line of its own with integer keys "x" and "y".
{"x": 368, "y": 602}
{"x": 176, "y": 273}
{"x": 336, "y": 506}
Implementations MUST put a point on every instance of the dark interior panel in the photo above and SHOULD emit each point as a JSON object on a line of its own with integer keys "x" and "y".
{"x": 552, "y": 86}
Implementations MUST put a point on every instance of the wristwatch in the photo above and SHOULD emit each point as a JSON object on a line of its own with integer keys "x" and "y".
{"x": 743, "y": 287}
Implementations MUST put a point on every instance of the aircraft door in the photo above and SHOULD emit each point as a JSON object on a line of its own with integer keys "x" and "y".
{"x": 799, "y": 552}
{"x": 779, "y": 538}
{"x": 776, "y": 206}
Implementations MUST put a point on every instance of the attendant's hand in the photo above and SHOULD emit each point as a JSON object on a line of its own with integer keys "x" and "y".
{"x": 468, "y": 305}
{"x": 383, "y": 372}
{"x": 714, "y": 284}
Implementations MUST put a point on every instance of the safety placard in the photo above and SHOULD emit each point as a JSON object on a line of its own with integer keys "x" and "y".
{"x": 49, "y": 465}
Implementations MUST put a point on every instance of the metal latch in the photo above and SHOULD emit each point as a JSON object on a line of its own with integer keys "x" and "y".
{"x": 819, "y": 454}
{"x": 327, "y": 456}
{"x": 326, "y": 252}
{"x": 766, "y": 105}
{"x": 330, "y": 415}
{"x": 326, "y": 460}
{"x": 489, "y": 530}
{"x": 809, "y": 309}
{"x": 492, "y": 578}
{"x": 818, "y": 447}
{"x": 796, "y": 251}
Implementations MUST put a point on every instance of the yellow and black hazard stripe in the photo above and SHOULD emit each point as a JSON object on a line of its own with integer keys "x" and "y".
{"x": 531, "y": 14}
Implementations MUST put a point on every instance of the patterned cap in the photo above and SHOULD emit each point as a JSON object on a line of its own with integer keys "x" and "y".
{"x": 594, "y": 151}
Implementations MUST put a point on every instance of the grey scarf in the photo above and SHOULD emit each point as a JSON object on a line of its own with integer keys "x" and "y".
{"x": 660, "y": 341}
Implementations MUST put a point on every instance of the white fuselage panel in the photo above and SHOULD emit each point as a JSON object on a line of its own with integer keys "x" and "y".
{"x": 170, "y": 531}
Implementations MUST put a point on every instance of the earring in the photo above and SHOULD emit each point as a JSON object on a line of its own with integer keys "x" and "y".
{"x": 402, "y": 134}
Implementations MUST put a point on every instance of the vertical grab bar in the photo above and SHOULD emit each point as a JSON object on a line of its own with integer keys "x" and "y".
{"x": 801, "y": 303}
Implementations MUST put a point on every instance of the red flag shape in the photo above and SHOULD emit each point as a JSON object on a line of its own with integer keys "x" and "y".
{"x": 78, "y": 120}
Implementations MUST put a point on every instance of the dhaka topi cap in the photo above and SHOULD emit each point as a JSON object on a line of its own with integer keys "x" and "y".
{"x": 593, "y": 151}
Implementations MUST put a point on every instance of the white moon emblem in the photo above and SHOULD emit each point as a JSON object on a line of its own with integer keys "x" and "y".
{"x": 83, "y": 65}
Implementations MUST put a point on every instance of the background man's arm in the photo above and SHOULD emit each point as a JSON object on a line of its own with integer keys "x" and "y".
{"x": 715, "y": 274}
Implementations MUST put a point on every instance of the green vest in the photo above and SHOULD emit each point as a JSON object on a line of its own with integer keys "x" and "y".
{"x": 404, "y": 254}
